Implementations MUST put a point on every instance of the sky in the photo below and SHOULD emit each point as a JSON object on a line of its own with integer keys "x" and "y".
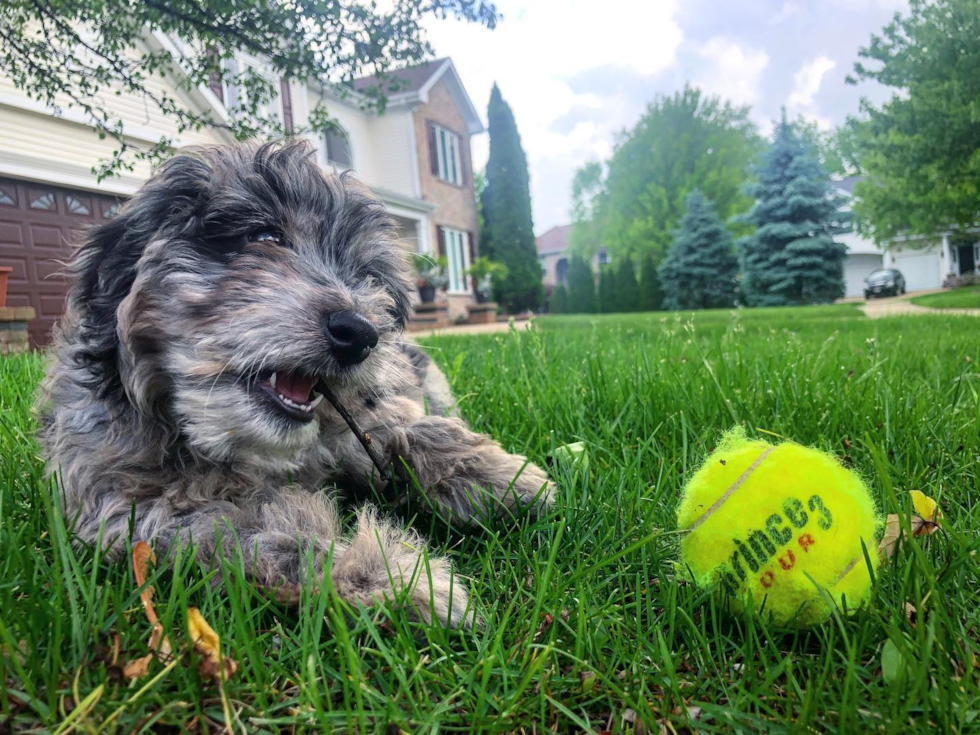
{"x": 578, "y": 72}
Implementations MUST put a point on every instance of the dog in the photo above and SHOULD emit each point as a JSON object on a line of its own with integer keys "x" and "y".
{"x": 180, "y": 402}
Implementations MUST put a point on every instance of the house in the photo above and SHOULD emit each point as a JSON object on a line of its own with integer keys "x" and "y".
{"x": 925, "y": 262}
{"x": 553, "y": 255}
{"x": 415, "y": 158}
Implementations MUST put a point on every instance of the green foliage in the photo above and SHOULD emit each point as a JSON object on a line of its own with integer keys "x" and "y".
{"x": 588, "y": 195}
{"x": 920, "y": 151}
{"x": 508, "y": 233}
{"x": 559, "y": 300}
{"x": 627, "y": 287}
{"x": 608, "y": 303}
{"x": 792, "y": 258}
{"x": 75, "y": 55}
{"x": 486, "y": 273}
{"x": 431, "y": 271}
{"x": 835, "y": 150}
{"x": 700, "y": 268}
{"x": 685, "y": 141}
{"x": 581, "y": 287}
{"x": 651, "y": 290}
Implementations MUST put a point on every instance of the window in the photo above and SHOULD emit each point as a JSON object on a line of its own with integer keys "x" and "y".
{"x": 446, "y": 161}
{"x": 338, "y": 149}
{"x": 235, "y": 94}
{"x": 77, "y": 206}
{"x": 603, "y": 257}
{"x": 561, "y": 271}
{"x": 7, "y": 197}
{"x": 43, "y": 201}
{"x": 456, "y": 245}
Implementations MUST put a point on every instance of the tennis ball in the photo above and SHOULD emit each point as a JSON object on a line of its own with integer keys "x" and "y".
{"x": 780, "y": 528}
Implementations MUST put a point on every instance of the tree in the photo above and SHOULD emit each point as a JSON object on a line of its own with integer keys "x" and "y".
{"x": 581, "y": 287}
{"x": 700, "y": 268}
{"x": 607, "y": 289}
{"x": 559, "y": 300}
{"x": 508, "y": 233}
{"x": 627, "y": 288}
{"x": 792, "y": 258}
{"x": 920, "y": 151}
{"x": 76, "y": 54}
{"x": 685, "y": 141}
{"x": 651, "y": 294}
{"x": 834, "y": 149}
{"x": 588, "y": 193}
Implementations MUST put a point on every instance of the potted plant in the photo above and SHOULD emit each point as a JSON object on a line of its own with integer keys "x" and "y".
{"x": 485, "y": 273}
{"x": 430, "y": 276}
{"x": 5, "y": 271}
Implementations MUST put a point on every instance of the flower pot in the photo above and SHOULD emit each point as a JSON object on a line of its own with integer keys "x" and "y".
{"x": 427, "y": 294}
{"x": 481, "y": 298}
{"x": 4, "y": 273}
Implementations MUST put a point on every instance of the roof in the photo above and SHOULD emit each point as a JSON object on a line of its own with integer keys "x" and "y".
{"x": 554, "y": 240}
{"x": 414, "y": 83}
{"x": 411, "y": 78}
{"x": 847, "y": 183}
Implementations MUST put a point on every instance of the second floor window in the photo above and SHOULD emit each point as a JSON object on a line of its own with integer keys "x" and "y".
{"x": 447, "y": 162}
{"x": 338, "y": 149}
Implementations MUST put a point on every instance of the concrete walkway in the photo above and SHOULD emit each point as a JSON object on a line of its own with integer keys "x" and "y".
{"x": 902, "y": 306}
{"x": 468, "y": 329}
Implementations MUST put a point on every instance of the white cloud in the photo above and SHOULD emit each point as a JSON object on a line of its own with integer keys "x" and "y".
{"x": 532, "y": 52}
{"x": 806, "y": 85}
{"x": 789, "y": 9}
{"x": 733, "y": 71}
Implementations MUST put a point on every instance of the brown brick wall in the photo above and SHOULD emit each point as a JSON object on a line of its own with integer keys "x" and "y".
{"x": 456, "y": 204}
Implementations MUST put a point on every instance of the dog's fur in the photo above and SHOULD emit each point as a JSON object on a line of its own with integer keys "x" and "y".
{"x": 151, "y": 419}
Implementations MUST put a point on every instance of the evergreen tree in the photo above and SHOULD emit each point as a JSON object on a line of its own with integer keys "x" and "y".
{"x": 581, "y": 287}
{"x": 651, "y": 294}
{"x": 607, "y": 290}
{"x": 792, "y": 258}
{"x": 627, "y": 294}
{"x": 559, "y": 300}
{"x": 700, "y": 268}
{"x": 508, "y": 231}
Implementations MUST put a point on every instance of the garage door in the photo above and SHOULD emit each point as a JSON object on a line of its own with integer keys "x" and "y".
{"x": 921, "y": 270}
{"x": 857, "y": 267}
{"x": 39, "y": 224}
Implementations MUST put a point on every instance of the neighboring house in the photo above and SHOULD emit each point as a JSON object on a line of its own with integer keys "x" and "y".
{"x": 925, "y": 262}
{"x": 415, "y": 158}
{"x": 554, "y": 257}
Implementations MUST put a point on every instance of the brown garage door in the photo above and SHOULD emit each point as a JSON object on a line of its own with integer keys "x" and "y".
{"x": 39, "y": 225}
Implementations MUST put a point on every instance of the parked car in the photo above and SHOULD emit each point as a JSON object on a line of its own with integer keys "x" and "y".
{"x": 886, "y": 282}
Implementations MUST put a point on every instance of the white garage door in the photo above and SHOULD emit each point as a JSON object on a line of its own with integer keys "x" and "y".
{"x": 921, "y": 270}
{"x": 857, "y": 266}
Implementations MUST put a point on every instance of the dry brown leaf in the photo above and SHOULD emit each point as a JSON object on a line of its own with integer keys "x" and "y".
{"x": 919, "y": 526}
{"x": 208, "y": 644}
{"x": 159, "y": 644}
{"x": 911, "y": 613}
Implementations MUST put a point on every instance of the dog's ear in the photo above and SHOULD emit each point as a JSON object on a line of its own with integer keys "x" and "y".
{"x": 105, "y": 266}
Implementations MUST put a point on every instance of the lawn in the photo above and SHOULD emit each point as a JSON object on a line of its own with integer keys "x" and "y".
{"x": 588, "y": 626}
{"x": 967, "y": 297}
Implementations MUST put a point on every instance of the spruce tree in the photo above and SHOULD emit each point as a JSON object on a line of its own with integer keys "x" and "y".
{"x": 700, "y": 268}
{"x": 607, "y": 289}
{"x": 792, "y": 258}
{"x": 627, "y": 294}
{"x": 581, "y": 287}
{"x": 651, "y": 294}
{"x": 508, "y": 231}
{"x": 559, "y": 300}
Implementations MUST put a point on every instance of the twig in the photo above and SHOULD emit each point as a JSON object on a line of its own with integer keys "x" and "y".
{"x": 362, "y": 436}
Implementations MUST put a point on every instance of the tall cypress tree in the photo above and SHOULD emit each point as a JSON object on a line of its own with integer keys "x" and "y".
{"x": 607, "y": 289}
{"x": 700, "y": 268}
{"x": 559, "y": 300}
{"x": 627, "y": 293}
{"x": 792, "y": 258}
{"x": 508, "y": 232}
{"x": 651, "y": 294}
{"x": 581, "y": 287}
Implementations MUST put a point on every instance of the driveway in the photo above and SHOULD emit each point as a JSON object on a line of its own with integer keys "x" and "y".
{"x": 901, "y": 306}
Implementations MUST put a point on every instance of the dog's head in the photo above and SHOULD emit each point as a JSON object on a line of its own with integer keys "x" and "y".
{"x": 234, "y": 281}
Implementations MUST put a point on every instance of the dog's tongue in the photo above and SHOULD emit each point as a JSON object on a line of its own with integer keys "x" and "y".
{"x": 295, "y": 386}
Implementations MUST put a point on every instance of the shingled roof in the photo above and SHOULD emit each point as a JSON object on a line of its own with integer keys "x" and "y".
{"x": 554, "y": 240}
{"x": 411, "y": 78}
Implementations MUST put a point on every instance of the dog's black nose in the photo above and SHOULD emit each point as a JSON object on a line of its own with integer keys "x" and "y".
{"x": 352, "y": 337}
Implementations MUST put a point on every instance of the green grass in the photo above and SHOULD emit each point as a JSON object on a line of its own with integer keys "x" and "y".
{"x": 587, "y": 625}
{"x": 967, "y": 297}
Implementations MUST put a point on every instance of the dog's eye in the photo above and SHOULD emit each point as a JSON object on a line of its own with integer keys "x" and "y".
{"x": 266, "y": 236}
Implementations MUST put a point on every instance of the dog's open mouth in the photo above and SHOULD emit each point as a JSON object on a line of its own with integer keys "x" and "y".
{"x": 291, "y": 393}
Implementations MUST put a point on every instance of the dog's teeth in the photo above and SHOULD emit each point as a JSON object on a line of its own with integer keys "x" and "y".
{"x": 316, "y": 401}
{"x": 272, "y": 381}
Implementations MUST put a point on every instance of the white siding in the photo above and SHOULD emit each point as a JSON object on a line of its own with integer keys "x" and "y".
{"x": 393, "y": 137}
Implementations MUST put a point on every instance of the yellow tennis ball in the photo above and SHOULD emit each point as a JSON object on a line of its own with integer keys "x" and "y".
{"x": 780, "y": 525}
